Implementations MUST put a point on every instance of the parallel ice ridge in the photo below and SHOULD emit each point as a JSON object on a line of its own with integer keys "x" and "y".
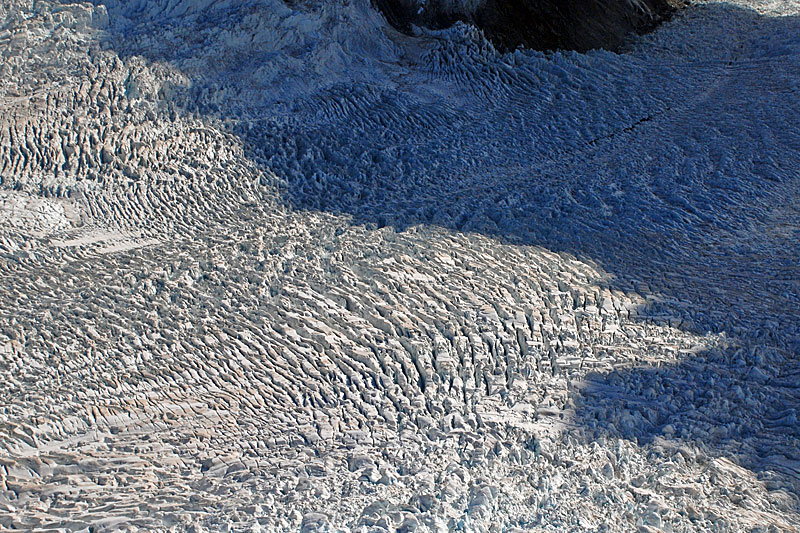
{"x": 280, "y": 267}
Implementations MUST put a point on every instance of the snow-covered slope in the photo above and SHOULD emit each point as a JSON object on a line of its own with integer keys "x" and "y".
{"x": 277, "y": 266}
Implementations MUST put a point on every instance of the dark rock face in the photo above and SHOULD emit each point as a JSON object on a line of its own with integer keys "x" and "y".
{"x": 539, "y": 24}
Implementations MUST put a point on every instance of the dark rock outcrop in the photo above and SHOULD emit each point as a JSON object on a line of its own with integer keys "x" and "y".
{"x": 539, "y": 24}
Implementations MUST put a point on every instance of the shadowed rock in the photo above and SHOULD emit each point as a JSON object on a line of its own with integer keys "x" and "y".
{"x": 538, "y": 24}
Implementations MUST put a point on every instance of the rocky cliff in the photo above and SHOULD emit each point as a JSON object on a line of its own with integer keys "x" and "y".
{"x": 539, "y": 24}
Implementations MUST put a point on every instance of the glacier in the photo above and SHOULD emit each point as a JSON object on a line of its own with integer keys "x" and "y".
{"x": 279, "y": 266}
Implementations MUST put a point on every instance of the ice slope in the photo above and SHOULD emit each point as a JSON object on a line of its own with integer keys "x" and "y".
{"x": 279, "y": 267}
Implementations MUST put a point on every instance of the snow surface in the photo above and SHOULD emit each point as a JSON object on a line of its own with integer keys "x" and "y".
{"x": 277, "y": 267}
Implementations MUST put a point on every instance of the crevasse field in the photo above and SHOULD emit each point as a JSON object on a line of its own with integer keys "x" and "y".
{"x": 274, "y": 266}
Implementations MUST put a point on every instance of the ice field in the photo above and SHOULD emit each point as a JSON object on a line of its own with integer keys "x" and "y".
{"x": 275, "y": 266}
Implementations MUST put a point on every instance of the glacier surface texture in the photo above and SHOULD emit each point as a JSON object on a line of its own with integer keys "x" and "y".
{"x": 280, "y": 266}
